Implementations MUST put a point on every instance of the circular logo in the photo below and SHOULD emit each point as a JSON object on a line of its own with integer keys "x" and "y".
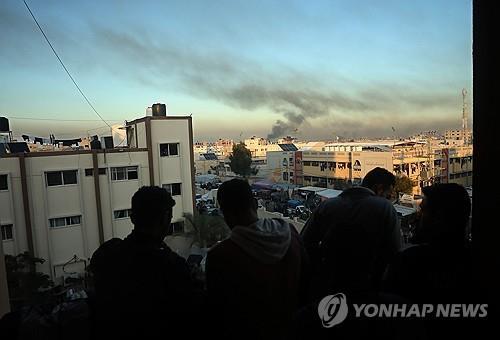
{"x": 332, "y": 310}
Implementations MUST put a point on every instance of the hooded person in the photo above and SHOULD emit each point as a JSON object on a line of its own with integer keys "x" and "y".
{"x": 256, "y": 278}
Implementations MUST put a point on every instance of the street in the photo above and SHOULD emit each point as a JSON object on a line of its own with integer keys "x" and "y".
{"x": 266, "y": 214}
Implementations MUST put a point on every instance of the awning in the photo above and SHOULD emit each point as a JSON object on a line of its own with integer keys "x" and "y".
{"x": 312, "y": 189}
{"x": 329, "y": 193}
{"x": 262, "y": 185}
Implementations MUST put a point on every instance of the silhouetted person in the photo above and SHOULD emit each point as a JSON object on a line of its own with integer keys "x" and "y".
{"x": 254, "y": 277}
{"x": 351, "y": 238}
{"x": 142, "y": 287}
{"x": 438, "y": 268}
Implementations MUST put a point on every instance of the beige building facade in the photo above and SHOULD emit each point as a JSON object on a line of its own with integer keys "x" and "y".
{"x": 62, "y": 205}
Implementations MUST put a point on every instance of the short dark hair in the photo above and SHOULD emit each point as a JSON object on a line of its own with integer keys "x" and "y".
{"x": 378, "y": 175}
{"x": 451, "y": 201}
{"x": 235, "y": 195}
{"x": 149, "y": 204}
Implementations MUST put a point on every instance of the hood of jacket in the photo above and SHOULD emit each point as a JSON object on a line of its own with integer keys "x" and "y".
{"x": 267, "y": 240}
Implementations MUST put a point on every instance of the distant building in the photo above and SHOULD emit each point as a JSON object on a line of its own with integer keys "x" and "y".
{"x": 222, "y": 148}
{"x": 63, "y": 204}
{"x": 456, "y": 137}
{"x": 340, "y": 166}
{"x": 280, "y": 160}
{"x": 257, "y": 146}
{"x": 206, "y": 163}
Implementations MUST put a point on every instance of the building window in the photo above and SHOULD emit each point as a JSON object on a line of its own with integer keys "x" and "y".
{"x": 90, "y": 171}
{"x": 169, "y": 149}
{"x": 65, "y": 221}
{"x": 7, "y": 233}
{"x": 124, "y": 173}
{"x": 173, "y": 188}
{"x": 124, "y": 213}
{"x": 306, "y": 163}
{"x": 285, "y": 176}
{"x": 65, "y": 177}
{"x": 290, "y": 160}
{"x": 315, "y": 163}
{"x": 3, "y": 182}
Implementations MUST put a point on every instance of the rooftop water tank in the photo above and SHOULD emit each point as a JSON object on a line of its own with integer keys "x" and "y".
{"x": 159, "y": 109}
{"x": 4, "y": 124}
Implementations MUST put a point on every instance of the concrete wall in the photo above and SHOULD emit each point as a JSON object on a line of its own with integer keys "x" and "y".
{"x": 174, "y": 169}
{"x": 11, "y": 206}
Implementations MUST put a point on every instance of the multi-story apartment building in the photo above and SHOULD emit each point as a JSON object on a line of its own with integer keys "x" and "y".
{"x": 341, "y": 166}
{"x": 454, "y": 165}
{"x": 426, "y": 164}
{"x": 457, "y": 138}
{"x": 257, "y": 146}
{"x": 222, "y": 148}
{"x": 280, "y": 164}
{"x": 63, "y": 204}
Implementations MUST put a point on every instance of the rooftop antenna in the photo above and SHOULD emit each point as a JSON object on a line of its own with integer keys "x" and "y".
{"x": 464, "y": 116}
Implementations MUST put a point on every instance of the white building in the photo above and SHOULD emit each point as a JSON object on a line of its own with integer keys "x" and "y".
{"x": 281, "y": 163}
{"x": 257, "y": 146}
{"x": 63, "y": 204}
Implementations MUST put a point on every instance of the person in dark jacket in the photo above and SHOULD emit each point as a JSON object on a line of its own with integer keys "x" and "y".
{"x": 351, "y": 238}
{"x": 256, "y": 277}
{"x": 142, "y": 288}
{"x": 438, "y": 268}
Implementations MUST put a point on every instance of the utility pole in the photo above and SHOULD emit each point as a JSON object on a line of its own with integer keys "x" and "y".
{"x": 464, "y": 117}
{"x": 430, "y": 167}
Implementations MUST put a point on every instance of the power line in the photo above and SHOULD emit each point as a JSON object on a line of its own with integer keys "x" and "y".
{"x": 65, "y": 69}
{"x": 64, "y": 120}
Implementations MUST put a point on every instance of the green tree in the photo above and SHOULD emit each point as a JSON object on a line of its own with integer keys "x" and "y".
{"x": 207, "y": 230}
{"x": 26, "y": 286}
{"x": 241, "y": 160}
{"x": 403, "y": 185}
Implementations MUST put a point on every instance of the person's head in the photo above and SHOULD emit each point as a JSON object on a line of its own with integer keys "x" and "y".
{"x": 237, "y": 202}
{"x": 152, "y": 211}
{"x": 380, "y": 181}
{"x": 444, "y": 215}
